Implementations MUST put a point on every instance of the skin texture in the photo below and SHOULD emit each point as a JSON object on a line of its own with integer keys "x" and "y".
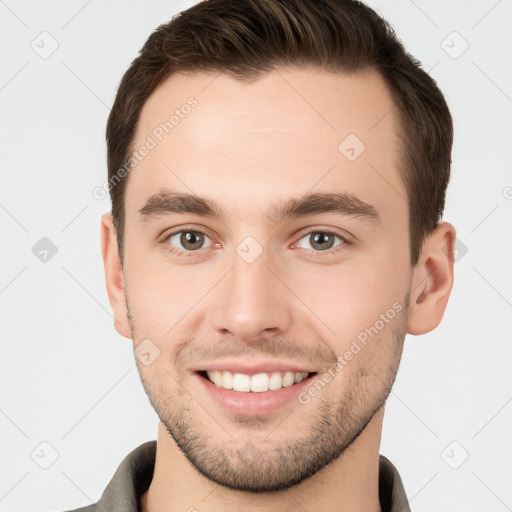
{"x": 247, "y": 146}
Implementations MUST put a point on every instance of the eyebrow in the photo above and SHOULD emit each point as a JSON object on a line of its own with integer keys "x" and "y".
{"x": 167, "y": 202}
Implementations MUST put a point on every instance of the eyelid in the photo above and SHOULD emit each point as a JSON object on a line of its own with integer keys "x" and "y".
{"x": 344, "y": 235}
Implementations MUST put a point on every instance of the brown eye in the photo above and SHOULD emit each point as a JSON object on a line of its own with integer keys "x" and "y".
{"x": 188, "y": 240}
{"x": 322, "y": 240}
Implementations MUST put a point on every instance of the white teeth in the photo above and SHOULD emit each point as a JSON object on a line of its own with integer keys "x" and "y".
{"x": 258, "y": 383}
{"x": 241, "y": 382}
{"x": 275, "y": 381}
{"x": 217, "y": 378}
{"x": 227, "y": 380}
{"x": 288, "y": 379}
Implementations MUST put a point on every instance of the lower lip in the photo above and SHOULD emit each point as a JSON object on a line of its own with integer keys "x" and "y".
{"x": 251, "y": 403}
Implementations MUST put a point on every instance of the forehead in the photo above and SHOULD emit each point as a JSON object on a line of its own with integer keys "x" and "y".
{"x": 281, "y": 135}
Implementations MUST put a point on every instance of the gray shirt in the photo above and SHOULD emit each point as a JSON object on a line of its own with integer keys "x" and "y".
{"x": 134, "y": 474}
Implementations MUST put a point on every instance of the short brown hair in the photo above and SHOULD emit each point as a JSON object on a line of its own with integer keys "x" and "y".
{"x": 248, "y": 38}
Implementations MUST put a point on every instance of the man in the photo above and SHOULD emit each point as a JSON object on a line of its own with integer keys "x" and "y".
{"x": 277, "y": 170}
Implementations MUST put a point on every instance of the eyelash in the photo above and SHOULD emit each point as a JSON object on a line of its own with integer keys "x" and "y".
{"x": 179, "y": 252}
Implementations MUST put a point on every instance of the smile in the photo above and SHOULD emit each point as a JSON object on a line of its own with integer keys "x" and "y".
{"x": 258, "y": 383}
{"x": 254, "y": 395}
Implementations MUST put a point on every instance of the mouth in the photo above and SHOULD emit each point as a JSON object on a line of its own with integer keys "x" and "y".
{"x": 262, "y": 382}
{"x": 250, "y": 395}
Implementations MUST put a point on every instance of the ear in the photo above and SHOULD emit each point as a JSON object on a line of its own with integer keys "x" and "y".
{"x": 432, "y": 280}
{"x": 114, "y": 275}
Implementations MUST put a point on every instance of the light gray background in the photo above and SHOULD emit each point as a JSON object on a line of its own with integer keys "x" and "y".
{"x": 68, "y": 379}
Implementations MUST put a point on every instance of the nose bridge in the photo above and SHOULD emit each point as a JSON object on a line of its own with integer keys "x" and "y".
{"x": 252, "y": 299}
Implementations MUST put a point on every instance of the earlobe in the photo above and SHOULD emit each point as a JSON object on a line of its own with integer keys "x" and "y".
{"x": 114, "y": 278}
{"x": 432, "y": 280}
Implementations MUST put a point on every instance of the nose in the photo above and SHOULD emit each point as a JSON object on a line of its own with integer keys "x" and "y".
{"x": 253, "y": 301}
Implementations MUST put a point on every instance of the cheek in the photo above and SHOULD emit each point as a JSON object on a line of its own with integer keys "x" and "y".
{"x": 352, "y": 298}
{"x": 157, "y": 298}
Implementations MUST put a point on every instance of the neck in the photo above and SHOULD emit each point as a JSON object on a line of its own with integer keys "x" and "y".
{"x": 350, "y": 482}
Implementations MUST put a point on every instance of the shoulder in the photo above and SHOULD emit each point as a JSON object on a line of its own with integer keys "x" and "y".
{"x": 392, "y": 494}
{"x": 130, "y": 481}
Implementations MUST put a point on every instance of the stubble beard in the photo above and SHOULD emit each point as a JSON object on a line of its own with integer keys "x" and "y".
{"x": 258, "y": 466}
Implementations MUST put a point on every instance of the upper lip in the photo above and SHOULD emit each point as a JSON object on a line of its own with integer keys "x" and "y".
{"x": 251, "y": 368}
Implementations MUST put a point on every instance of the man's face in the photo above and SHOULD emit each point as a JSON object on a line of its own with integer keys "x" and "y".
{"x": 306, "y": 290}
